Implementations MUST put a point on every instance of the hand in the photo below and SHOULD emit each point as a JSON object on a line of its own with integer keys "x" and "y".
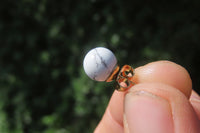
{"x": 162, "y": 101}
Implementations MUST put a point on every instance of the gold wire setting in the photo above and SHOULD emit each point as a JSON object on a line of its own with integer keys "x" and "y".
{"x": 123, "y": 77}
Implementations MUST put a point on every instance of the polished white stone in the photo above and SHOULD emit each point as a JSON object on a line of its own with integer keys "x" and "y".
{"x": 99, "y": 63}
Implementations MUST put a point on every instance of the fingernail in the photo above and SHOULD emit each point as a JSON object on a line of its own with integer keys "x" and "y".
{"x": 195, "y": 97}
{"x": 147, "y": 113}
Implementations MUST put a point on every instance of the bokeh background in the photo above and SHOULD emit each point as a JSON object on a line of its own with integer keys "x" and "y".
{"x": 43, "y": 88}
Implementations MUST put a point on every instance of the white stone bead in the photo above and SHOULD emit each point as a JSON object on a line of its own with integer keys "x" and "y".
{"x": 99, "y": 63}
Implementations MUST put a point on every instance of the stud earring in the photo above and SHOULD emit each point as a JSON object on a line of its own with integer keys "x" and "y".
{"x": 100, "y": 64}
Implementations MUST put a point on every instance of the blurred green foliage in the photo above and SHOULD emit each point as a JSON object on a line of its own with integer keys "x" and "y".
{"x": 43, "y": 88}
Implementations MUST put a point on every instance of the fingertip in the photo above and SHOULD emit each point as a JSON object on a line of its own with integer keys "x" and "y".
{"x": 183, "y": 116}
{"x": 147, "y": 112}
{"x": 166, "y": 72}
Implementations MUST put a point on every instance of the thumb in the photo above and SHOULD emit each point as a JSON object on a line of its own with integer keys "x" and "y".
{"x": 158, "y": 108}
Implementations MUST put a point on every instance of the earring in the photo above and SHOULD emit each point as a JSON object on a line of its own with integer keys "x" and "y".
{"x": 100, "y": 64}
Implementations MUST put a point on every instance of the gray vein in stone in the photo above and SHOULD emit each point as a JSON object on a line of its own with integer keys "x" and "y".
{"x": 102, "y": 60}
{"x": 97, "y": 65}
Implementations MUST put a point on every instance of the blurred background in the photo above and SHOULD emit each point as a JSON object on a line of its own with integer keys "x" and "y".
{"x": 43, "y": 88}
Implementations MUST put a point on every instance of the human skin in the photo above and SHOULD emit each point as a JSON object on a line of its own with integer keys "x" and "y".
{"x": 162, "y": 101}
